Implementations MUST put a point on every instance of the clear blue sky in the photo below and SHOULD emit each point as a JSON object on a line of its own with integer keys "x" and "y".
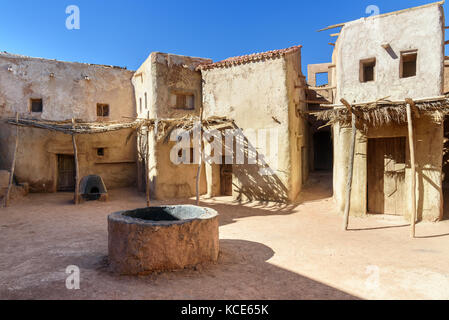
{"x": 124, "y": 32}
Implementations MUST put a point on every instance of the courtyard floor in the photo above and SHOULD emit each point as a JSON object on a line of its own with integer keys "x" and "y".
{"x": 268, "y": 251}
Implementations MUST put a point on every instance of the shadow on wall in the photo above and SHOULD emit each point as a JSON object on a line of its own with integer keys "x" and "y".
{"x": 424, "y": 175}
{"x": 257, "y": 181}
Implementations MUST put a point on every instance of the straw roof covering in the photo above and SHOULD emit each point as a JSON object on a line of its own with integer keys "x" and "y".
{"x": 383, "y": 112}
{"x": 80, "y": 127}
{"x": 163, "y": 127}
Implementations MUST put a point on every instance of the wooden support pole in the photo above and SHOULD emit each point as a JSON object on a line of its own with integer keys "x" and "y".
{"x": 13, "y": 165}
{"x": 414, "y": 108}
{"x": 350, "y": 166}
{"x": 200, "y": 162}
{"x": 413, "y": 168}
{"x": 147, "y": 162}
{"x": 77, "y": 169}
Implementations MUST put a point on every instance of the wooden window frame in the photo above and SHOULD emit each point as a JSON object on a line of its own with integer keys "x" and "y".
{"x": 370, "y": 62}
{"x": 32, "y": 101}
{"x": 101, "y": 107}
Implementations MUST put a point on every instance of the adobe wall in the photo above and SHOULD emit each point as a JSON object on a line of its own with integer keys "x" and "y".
{"x": 37, "y": 156}
{"x": 66, "y": 94}
{"x": 159, "y": 77}
{"x": 429, "y": 155}
{"x": 416, "y": 29}
{"x": 259, "y": 95}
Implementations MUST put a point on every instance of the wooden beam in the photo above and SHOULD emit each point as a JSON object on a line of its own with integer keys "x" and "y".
{"x": 349, "y": 107}
{"x": 331, "y": 44}
{"x": 314, "y": 102}
{"x": 413, "y": 168}
{"x": 13, "y": 165}
{"x": 315, "y": 88}
{"x": 386, "y": 14}
{"x": 147, "y": 162}
{"x": 446, "y": 42}
{"x": 332, "y": 27}
{"x": 335, "y": 34}
{"x": 350, "y": 172}
{"x": 77, "y": 169}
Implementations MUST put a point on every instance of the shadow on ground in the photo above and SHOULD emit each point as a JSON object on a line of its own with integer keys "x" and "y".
{"x": 242, "y": 272}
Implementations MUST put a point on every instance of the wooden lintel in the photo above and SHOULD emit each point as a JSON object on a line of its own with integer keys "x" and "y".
{"x": 315, "y": 88}
{"x": 314, "y": 102}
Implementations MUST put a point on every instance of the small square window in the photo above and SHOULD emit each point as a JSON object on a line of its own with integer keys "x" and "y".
{"x": 408, "y": 64}
{"x": 102, "y": 110}
{"x": 183, "y": 101}
{"x": 367, "y": 70}
{"x": 36, "y": 105}
{"x": 100, "y": 152}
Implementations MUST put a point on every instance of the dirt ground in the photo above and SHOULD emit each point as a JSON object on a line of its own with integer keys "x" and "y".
{"x": 268, "y": 251}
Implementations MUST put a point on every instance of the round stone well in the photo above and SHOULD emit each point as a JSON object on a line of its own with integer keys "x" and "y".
{"x": 162, "y": 238}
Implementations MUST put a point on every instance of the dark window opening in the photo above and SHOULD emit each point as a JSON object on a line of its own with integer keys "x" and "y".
{"x": 367, "y": 70}
{"x": 100, "y": 152}
{"x": 408, "y": 64}
{"x": 36, "y": 105}
{"x": 184, "y": 101}
{"x": 102, "y": 110}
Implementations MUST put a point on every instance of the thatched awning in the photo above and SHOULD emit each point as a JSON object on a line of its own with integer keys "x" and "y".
{"x": 385, "y": 112}
{"x": 163, "y": 126}
{"x": 79, "y": 127}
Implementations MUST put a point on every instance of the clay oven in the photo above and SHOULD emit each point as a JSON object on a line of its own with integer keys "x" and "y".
{"x": 92, "y": 188}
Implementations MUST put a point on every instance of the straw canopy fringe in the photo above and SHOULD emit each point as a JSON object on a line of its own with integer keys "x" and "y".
{"x": 163, "y": 127}
{"x": 383, "y": 113}
{"x": 79, "y": 127}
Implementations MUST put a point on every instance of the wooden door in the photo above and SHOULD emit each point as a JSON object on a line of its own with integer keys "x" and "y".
{"x": 226, "y": 179}
{"x": 66, "y": 172}
{"x": 386, "y": 176}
